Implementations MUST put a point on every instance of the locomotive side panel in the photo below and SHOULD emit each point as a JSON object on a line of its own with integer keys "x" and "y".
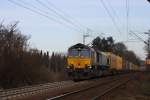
{"x": 112, "y": 60}
{"x": 103, "y": 59}
{"x": 119, "y": 63}
{"x": 116, "y": 62}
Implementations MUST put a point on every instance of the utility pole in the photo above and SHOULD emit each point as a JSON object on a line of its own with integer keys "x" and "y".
{"x": 86, "y": 35}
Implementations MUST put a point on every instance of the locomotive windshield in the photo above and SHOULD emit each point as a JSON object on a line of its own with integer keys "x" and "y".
{"x": 85, "y": 53}
{"x": 73, "y": 53}
{"x": 81, "y": 53}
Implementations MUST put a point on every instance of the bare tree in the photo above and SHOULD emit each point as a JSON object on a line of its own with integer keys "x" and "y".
{"x": 12, "y": 46}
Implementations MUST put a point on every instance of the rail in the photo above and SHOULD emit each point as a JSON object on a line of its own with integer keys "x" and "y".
{"x": 30, "y": 90}
{"x": 106, "y": 86}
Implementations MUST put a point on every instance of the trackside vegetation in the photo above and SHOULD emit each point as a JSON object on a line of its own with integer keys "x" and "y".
{"x": 22, "y": 65}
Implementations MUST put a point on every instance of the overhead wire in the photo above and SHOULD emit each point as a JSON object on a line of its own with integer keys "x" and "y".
{"x": 32, "y": 10}
{"x": 138, "y": 37}
{"x": 40, "y": 12}
{"x": 127, "y": 18}
{"x": 64, "y": 13}
{"x": 58, "y": 14}
{"x": 114, "y": 12}
{"x": 31, "y": 5}
{"x": 128, "y": 25}
{"x": 111, "y": 17}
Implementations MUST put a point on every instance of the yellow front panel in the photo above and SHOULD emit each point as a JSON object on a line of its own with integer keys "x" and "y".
{"x": 79, "y": 62}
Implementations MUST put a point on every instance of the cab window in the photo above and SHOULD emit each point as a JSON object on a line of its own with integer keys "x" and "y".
{"x": 85, "y": 53}
{"x": 73, "y": 53}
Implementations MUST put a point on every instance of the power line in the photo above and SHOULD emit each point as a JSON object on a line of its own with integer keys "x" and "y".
{"x": 79, "y": 30}
{"x": 65, "y": 14}
{"x": 40, "y": 13}
{"x": 131, "y": 41}
{"x": 31, "y": 5}
{"x": 113, "y": 11}
{"x": 141, "y": 39}
{"x": 65, "y": 17}
{"x": 127, "y": 17}
{"x": 111, "y": 17}
{"x": 58, "y": 14}
{"x": 32, "y": 10}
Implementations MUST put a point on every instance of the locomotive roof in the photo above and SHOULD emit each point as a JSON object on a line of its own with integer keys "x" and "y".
{"x": 79, "y": 45}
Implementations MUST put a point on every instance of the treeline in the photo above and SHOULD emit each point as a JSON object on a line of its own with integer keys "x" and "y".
{"x": 108, "y": 45}
{"x": 21, "y": 65}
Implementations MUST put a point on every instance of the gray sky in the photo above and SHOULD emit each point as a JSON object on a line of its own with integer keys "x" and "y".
{"x": 47, "y": 34}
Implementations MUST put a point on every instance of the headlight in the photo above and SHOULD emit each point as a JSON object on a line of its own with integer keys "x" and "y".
{"x": 90, "y": 67}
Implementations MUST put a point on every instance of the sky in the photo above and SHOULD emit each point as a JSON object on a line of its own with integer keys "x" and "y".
{"x": 49, "y": 34}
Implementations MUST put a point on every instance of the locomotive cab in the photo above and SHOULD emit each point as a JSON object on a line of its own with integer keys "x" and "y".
{"x": 79, "y": 58}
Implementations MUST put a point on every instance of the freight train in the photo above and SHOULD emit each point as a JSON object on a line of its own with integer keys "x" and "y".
{"x": 84, "y": 62}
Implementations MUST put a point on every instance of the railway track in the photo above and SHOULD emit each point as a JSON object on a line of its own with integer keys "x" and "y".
{"x": 109, "y": 89}
{"x": 31, "y": 90}
{"x": 64, "y": 90}
{"x": 94, "y": 92}
{"x": 18, "y": 93}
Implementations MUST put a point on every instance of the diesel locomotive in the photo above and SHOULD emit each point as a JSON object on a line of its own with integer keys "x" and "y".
{"x": 84, "y": 62}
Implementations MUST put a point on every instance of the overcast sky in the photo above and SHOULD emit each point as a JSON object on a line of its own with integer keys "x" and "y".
{"x": 49, "y": 35}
